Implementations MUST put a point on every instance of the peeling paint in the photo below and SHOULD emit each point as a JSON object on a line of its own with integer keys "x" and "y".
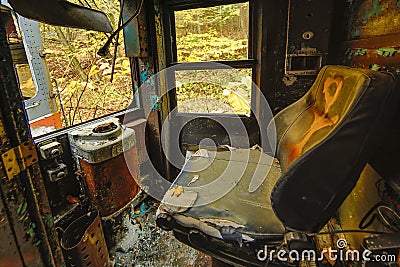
{"x": 355, "y": 52}
{"x": 144, "y": 75}
{"x": 375, "y": 67}
{"x": 143, "y": 209}
{"x": 152, "y": 80}
{"x": 154, "y": 103}
{"x": 387, "y": 51}
{"x": 146, "y": 72}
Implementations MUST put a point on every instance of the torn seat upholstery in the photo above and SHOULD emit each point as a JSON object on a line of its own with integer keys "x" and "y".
{"x": 324, "y": 140}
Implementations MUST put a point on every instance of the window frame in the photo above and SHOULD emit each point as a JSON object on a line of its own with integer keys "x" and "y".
{"x": 171, "y": 51}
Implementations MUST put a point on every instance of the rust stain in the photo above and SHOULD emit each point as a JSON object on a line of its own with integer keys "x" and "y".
{"x": 110, "y": 184}
{"x": 332, "y": 89}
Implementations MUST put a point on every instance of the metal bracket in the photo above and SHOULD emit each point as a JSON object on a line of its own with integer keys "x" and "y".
{"x": 19, "y": 158}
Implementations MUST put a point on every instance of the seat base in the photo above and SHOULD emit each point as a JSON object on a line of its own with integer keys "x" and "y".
{"x": 229, "y": 253}
{"x": 236, "y": 226}
{"x": 225, "y": 194}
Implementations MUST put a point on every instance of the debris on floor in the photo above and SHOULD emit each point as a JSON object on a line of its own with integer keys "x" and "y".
{"x": 147, "y": 245}
{"x": 195, "y": 178}
{"x": 142, "y": 210}
{"x": 177, "y": 191}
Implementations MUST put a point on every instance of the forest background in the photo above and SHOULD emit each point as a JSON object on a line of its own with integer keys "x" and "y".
{"x": 83, "y": 78}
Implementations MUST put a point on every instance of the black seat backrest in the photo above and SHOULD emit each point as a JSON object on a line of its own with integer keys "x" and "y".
{"x": 324, "y": 141}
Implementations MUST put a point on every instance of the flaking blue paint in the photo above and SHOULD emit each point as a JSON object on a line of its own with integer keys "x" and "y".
{"x": 355, "y": 52}
{"x": 144, "y": 75}
{"x": 375, "y": 67}
{"x": 154, "y": 103}
{"x": 386, "y": 51}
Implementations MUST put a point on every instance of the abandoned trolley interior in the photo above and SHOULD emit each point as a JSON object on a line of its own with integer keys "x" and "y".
{"x": 199, "y": 133}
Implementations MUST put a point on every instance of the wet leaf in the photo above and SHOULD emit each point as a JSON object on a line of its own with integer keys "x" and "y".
{"x": 93, "y": 70}
{"x": 177, "y": 191}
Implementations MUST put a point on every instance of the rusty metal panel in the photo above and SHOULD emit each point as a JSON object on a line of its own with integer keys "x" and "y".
{"x": 103, "y": 150}
{"x": 19, "y": 216}
{"x": 84, "y": 244}
{"x": 139, "y": 127}
{"x": 19, "y": 158}
{"x": 135, "y": 33}
{"x": 373, "y": 35}
{"x": 15, "y": 126}
{"x": 110, "y": 184}
{"x": 24, "y": 196}
{"x": 309, "y": 26}
{"x": 373, "y": 42}
{"x": 373, "y": 17}
{"x": 131, "y": 31}
{"x": 9, "y": 254}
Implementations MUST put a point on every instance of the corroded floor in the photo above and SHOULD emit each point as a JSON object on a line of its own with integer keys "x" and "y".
{"x": 148, "y": 245}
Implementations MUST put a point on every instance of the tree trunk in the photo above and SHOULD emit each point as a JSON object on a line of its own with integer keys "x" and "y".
{"x": 75, "y": 62}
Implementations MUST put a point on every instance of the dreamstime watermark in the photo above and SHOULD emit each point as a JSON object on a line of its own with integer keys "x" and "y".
{"x": 341, "y": 253}
{"x": 157, "y": 185}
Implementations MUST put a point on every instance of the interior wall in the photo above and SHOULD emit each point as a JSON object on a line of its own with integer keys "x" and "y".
{"x": 373, "y": 35}
{"x": 305, "y": 30}
{"x": 373, "y": 42}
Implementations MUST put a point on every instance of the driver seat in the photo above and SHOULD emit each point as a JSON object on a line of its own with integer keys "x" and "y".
{"x": 231, "y": 203}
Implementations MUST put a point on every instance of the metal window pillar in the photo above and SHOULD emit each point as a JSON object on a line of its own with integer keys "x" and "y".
{"x": 43, "y": 103}
{"x": 30, "y": 238}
